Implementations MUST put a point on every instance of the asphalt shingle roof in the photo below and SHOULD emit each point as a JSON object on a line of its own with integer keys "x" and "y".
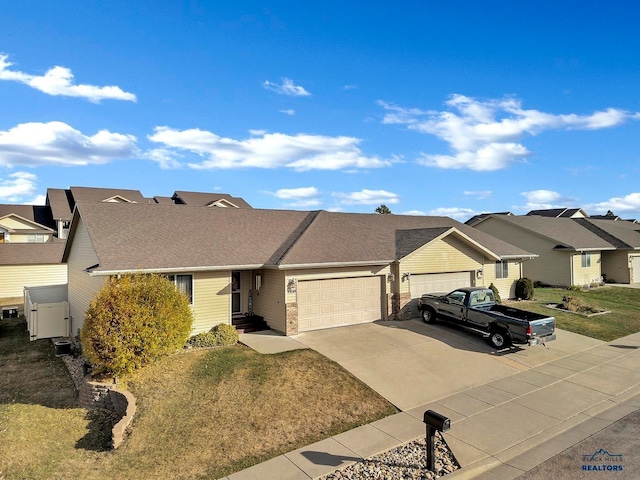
{"x": 566, "y": 231}
{"x": 36, "y": 213}
{"x": 196, "y": 199}
{"x": 31, "y": 253}
{"x": 139, "y": 236}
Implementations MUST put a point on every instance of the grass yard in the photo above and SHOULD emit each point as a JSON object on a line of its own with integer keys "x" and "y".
{"x": 623, "y": 303}
{"x": 201, "y": 414}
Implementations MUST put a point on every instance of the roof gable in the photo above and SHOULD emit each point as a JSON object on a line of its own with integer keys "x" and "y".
{"x": 13, "y": 223}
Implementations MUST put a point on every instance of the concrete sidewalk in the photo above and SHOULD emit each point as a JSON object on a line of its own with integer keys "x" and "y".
{"x": 500, "y": 429}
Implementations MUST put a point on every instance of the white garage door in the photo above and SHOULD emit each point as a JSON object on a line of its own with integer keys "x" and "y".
{"x": 438, "y": 282}
{"x": 339, "y": 301}
{"x": 635, "y": 269}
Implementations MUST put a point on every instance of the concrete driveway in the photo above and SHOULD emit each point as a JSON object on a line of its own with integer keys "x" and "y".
{"x": 411, "y": 363}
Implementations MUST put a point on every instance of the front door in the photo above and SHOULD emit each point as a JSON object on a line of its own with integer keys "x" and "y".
{"x": 236, "y": 296}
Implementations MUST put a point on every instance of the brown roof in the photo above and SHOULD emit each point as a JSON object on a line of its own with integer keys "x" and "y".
{"x": 624, "y": 235}
{"x": 197, "y": 199}
{"x": 162, "y": 237}
{"x": 357, "y": 237}
{"x": 60, "y": 202}
{"x": 39, "y": 214}
{"x": 89, "y": 194}
{"x": 565, "y": 231}
{"x": 31, "y": 253}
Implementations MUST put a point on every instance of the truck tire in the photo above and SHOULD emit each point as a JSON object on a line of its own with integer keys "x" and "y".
{"x": 428, "y": 315}
{"x": 499, "y": 338}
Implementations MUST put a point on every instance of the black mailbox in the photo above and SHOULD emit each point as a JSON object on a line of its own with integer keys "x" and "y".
{"x": 437, "y": 421}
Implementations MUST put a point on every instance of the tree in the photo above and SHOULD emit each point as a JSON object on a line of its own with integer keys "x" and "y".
{"x": 132, "y": 321}
{"x": 382, "y": 209}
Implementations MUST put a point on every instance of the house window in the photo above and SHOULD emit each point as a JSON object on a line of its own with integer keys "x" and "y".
{"x": 586, "y": 259}
{"x": 502, "y": 269}
{"x": 184, "y": 284}
{"x": 35, "y": 238}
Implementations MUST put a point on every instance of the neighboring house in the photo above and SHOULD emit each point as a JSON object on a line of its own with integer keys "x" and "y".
{"x": 621, "y": 265}
{"x": 299, "y": 270}
{"x": 197, "y": 199}
{"x": 568, "y": 253}
{"x": 29, "y": 251}
{"x": 560, "y": 213}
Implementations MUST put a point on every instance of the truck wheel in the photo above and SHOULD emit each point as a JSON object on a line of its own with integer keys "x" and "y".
{"x": 499, "y": 338}
{"x": 428, "y": 315}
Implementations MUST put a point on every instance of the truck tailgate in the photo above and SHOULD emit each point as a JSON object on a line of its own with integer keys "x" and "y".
{"x": 543, "y": 327}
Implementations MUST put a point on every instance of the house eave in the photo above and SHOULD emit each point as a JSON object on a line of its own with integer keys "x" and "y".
{"x": 210, "y": 268}
{"x": 298, "y": 266}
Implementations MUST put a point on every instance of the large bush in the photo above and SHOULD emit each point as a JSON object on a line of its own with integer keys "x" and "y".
{"x": 524, "y": 289}
{"x": 133, "y": 321}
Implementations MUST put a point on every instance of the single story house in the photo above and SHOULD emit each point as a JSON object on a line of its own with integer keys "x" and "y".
{"x": 568, "y": 253}
{"x": 299, "y": 270}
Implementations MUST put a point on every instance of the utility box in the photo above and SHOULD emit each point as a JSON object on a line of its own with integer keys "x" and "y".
{"x": 9, "y": 312}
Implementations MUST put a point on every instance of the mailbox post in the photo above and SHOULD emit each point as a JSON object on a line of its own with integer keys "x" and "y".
{"x": 434, "y": 422}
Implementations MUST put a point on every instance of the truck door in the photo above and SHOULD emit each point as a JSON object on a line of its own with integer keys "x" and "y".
{"x": 453, "y": 306}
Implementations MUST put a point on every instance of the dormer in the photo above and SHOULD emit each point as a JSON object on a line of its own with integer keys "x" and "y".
{"x": 223, "y": 202}
{"x": 118, "y": 199}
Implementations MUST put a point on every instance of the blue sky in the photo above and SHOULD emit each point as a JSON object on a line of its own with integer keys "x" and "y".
{"x": 436, "y": 108}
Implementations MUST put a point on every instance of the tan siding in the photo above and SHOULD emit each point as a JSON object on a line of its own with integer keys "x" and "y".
{"x": 586, "y": 275}
{"x": 82, "y": 286}
{"x": 551, "y": 267}
{"x": 615, "y": 265}
{"x": 211, "y": 300}
{"x": 13, "y": 278}
{"x": 16, "y": 223}
{"x": 24, "y": 238}
{"x": 269, "y": 302}
{"x": 449, "y": 254}
{"x": 506, "y": 286}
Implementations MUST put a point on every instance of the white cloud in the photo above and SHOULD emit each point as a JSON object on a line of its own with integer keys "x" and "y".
{"x": 487, "y": 134}
{"x": 289, "y": 112}
{"x": 544, "y": 199}
{"x": 618, "y": 205}
{"x": 56, "y": 143}
{"x": 367, "y": 197}
{"x": 18, "y": 186}
{"x": 460, "y": 214}
{"x": 350, "y": 87}
{"x": 287, "y": 87}
{"x": 269, "y": 150}
{"x": 479, "y": 194}
{"x": 296, "y": 193}
{"x": 59, "y": 81}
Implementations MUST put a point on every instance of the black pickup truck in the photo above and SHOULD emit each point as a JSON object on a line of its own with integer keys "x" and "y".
{"x": 475, "y": 308}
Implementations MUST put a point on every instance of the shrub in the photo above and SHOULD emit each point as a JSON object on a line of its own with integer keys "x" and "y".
{"x": 218, "y": 336}
{"x": 524, "y": 289}
{"x": 225, "y": 334}
{"x": 132, "y": 321}
{"x": 204, "y": 339}
{"x": 496, "y": 294}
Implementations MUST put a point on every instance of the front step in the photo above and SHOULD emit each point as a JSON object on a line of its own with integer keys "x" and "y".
{"x": 250, "y": 323}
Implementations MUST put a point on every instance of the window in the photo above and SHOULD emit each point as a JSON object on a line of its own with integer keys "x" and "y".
{"x": 586, "y": 259}
{"x": 457, "y": 298}
{"x": 184, "y": 284}
{"x": 35, "y": 238}
{"x": 502, "y": 269}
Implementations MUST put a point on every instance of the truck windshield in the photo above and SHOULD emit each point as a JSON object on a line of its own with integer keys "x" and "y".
{"x": 481, "y": 297}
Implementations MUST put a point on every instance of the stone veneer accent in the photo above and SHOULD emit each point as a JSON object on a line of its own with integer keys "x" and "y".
{"x": 107, "y": 395}
{"x": 404, "y": 304}
{"x": 292, "y": 319}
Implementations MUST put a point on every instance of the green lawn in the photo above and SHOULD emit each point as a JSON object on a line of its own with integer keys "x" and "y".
{"x": 622, "y": 303}
{"x": 201, "y": 414}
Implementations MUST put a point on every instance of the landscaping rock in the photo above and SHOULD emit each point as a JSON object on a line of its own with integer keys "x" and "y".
{"x": 407, "y": 461}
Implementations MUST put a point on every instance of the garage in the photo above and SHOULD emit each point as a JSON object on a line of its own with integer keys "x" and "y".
{"x": 436, "y": 283}
{"x": 338, "y": 301}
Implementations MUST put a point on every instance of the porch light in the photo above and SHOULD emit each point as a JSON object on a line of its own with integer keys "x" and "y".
{"x": 390, "y": 277}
